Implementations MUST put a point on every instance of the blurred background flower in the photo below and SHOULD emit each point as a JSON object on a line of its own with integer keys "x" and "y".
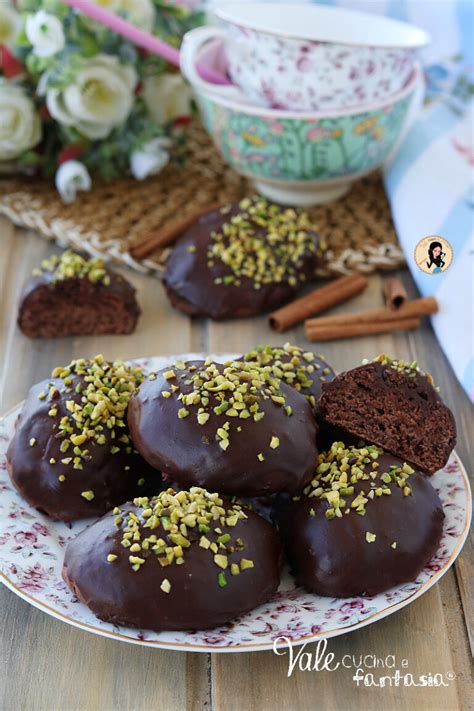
{"x": 10, "y": 24}
{"x": 78, "y": 101}
{"x": 20, "y": 125}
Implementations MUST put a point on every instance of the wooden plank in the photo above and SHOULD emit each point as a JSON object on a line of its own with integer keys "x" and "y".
{"x": 261, "y": 681}
{"x": 50, "y": 664}
{"x": 425, "y": 349}
{"x": 414, "y": 634}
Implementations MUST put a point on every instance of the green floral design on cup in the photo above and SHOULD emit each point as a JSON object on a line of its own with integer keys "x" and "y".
{"x": 303, "y": 149}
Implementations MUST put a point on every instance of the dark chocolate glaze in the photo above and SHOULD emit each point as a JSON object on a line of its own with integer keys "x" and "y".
{"x": 188, "y": 453}
{"x": 117, "y": 594}
{"x": 104, "y": 473}
{"x": 403, "y": 414}
{"x": 317, "y": 377}
{"x": 333, "y": 558}
{"x": 189, "y": 281}
{"x": 77, "y": 306}
{"x": 327, "y": 434}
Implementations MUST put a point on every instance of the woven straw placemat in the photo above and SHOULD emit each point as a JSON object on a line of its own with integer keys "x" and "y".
{"x": 115, "y": 216}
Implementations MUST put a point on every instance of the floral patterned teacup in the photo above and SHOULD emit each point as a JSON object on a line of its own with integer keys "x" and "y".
{"x": 310, "y": 57}
{"x": 308, "y": 158}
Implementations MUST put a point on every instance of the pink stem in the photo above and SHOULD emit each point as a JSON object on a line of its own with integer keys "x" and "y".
{"x": 139, "y": 37}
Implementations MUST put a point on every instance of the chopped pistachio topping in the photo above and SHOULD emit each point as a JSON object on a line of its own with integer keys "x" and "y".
{"x": 263, "y": 242}
{"x": 402, "y": 366}
{"x": 89, "y": 495}
{"x": 166, "y": 526}
{"x": 233, "y": 391}
{"x": 394, "y": 544}
{"x": 292, "y": 365}
{"x": 111, "y": 557}
{"x": 245, "y": 564}
{"x": 165, "y": 585}
{"x": 370, "y": 537}
{"x": 32, "y": 441}
{"x": 221, "y": 560}
{"x": 70, "y": 265}
{"x": 341, "y": 467}
{"x": 99, "y": 395}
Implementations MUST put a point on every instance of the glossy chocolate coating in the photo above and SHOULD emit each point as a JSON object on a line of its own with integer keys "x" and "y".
{"x": 333, "y": 558}
{"x": 400, "y": 412}
{"x": 327, "y": 434}
{"x": 76, "y": 306}
{"x": 103, "y": 473}
{"x": 188, "y": 453}
{"x": 189, "y": 281}
{"x": 321, "y": 373}
{"x": 118, "y": 594}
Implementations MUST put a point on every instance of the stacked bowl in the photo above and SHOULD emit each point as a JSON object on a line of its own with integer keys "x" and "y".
{"x": 317, "y": 96}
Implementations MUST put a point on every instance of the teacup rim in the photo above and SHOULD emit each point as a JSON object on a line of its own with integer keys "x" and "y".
{"x": 266, "y": 112}
{"x": 222, "y": 13}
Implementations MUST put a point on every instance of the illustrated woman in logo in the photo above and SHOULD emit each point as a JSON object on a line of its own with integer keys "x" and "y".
{"x": 435, "y": 257}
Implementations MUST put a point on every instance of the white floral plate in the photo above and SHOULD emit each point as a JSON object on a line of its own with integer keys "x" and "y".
{"x": 32, "y": 548}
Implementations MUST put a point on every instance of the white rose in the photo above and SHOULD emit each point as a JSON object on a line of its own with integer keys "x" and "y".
{"x": 20, "y": 125}
{"x": 150, "y": 159}
{"x": 167, "y": 96}
{"x": 45, "y": 33}
{"x": 140, "y": 12}
{"x": 10, "y": 24}
{"x": 100, "y": 98}
{"x": 71, "y": 177}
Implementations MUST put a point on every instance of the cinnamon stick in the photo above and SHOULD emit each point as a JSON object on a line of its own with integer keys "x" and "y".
{"x": 318, "y": 300}
{"x": 168, "y": 233}
{"x": 412, "y": 309}
{"x": 330, "y": 332}
{"x": 395, "y": 293}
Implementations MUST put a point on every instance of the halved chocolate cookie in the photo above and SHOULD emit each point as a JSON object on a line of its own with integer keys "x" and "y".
{"x": 74, "y": 296}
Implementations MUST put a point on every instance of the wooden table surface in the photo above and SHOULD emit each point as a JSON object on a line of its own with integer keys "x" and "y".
{"x": 49, "y": 665}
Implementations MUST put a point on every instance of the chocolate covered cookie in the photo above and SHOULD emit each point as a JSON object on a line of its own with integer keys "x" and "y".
{"x": 74, "y": 296}
{"x": 179, "y": 561}
{"x": 302, "y": 370}
{"x": 367, "y": 522}
{"x": 241, "y": 260}
{"x": 394, "y": 405}
{"x": 71, "y": 455}
{"x": 230, "y": 428}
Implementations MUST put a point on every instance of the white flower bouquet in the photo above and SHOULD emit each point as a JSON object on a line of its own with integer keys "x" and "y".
{"x": 78, "y": 100}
